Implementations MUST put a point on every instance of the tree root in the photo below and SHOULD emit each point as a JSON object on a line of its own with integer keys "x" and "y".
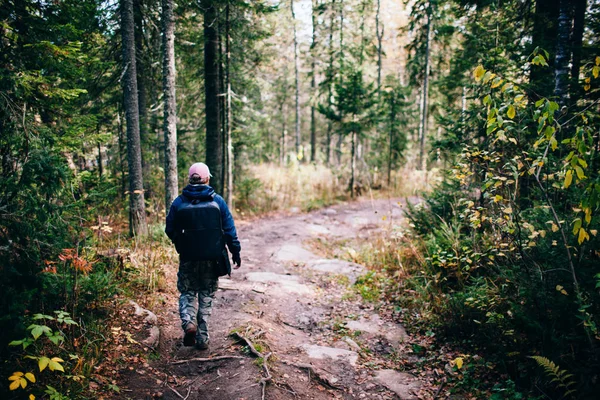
{"x": 265, "y": 357}
{"x": 217, "y": 358}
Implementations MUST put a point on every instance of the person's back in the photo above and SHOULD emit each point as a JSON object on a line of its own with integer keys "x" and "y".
{"x": 200, "y": 224}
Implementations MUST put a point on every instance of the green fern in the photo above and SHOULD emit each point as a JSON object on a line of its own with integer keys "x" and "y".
{"x": 560, "y": 377}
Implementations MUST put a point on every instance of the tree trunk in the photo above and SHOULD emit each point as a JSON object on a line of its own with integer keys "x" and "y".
{"x": 577, "y": 40}
{"x": 392, "y": 134}
{"x": 137, "y": 210}
{"x": 170, "y": 103}
{"x": 424, "y": 97}
{"x": 141, "y": 73}
{"x": 563, "y": 55}
{"x": 353, "y": 163}
{"x": 282, "y": 112}
{"x": 228, "y": 120}
{"x": 330, "y": 76}
{"x": 544, "y": 35}
{"x": 313, "y": 87}
{"x": 340, "y": 137}
{"x": 214, "y": 147}
{"x": 379, "y": 33}
{"x": 297, "y": 71}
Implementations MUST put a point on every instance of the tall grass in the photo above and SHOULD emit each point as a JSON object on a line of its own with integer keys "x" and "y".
{"x": 269, "y": 187}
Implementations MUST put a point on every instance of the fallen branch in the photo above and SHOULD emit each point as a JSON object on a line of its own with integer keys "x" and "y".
{"x": 437, "y": 394}
{"x": 177, "y": 393}
{"x": 267, "y": 378}
{"x": 318, "y": 374}
{"x": 205, "y": 359}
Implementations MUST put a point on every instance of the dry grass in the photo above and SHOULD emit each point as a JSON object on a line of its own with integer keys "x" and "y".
{"x": 270, "y": 187}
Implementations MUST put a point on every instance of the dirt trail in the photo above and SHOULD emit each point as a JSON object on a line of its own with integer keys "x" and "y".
{"x": 295, "y": 305}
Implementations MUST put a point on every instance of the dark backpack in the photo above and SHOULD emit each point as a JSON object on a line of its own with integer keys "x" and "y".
{"x": 199, "y": 230}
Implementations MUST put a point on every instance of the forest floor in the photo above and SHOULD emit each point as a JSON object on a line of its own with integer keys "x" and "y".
{"x": 319, "y": 339}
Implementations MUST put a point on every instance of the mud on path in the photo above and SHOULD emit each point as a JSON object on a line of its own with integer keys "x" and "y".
{"x": 324, "y": 342}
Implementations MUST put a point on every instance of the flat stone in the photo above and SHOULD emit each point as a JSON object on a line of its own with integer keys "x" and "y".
{"x": 228, "y": 284}
{"x": 318, "y": 229}
{"x": 353, "y": 345}
{"x": 358, "y": 221}
{"x": 286, "y": 283}
{"x": 322, "y": 353}
{"x": 394, "y": 333}
{"x": 329, "y": 211}
{"x": 404, "y": 385}
{"x": 291, "y": 252}
{"x": 351, "y": 270}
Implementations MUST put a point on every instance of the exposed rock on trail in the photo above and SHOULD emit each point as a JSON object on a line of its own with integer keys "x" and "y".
{"x": 293, "y": 304}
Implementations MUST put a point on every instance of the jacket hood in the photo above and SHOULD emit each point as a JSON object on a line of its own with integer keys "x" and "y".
{"x": 201, "y": 192}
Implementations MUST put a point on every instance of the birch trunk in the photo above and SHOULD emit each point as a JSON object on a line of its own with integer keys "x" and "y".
{"x": 313, "y": 86}
{"x": 170, "y": 103}
{"x": 330, "y": 77}
{"x": 297, "y": 73}
{"x": 228, "y": 120}
{"x": 424, "y": 97}
{"x": 379, "y": 33}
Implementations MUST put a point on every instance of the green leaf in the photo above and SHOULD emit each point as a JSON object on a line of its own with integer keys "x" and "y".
{"x": 579, "y": 171}
{"x": 576, "y": 226}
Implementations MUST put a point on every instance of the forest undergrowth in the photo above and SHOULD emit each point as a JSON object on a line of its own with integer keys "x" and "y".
{"x": 74, "y": 329}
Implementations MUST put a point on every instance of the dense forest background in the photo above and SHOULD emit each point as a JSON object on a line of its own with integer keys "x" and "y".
{"x": 488, "y": 109}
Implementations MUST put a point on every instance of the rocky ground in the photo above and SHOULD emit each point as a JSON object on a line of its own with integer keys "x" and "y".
{"x": 312, "y": 337}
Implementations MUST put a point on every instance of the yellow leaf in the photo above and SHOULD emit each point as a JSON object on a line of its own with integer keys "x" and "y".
{"x": 497, "y": 198}
{"x": 568, "y": 178}
{"x": 583, "y": 235}
{"x": 596, "y": 71}
{"x": 511, "y": 112}
{"x": 15, "y": 376}
{"x": 43, "y": 363}
{"x": 14, "y": 385}
{"x": 384, "y": 218}
{"x": 587, "y": 87}
{"x": 554, "y": 227}
{"x": 478, "y": 73}
{"x": 458, "y": 361}
{"x": 588, "y": 215}
{"x": 23, "y": 383}
{"x": 30, "y": 376}
{"x": 31, "y": 397}
{"x": 597, "y": 60}
{"x": 561, "y": 289}
{"x": 54, "y": 364}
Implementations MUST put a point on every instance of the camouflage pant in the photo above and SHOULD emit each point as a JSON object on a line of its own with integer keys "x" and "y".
{"x": 196, "y": 282}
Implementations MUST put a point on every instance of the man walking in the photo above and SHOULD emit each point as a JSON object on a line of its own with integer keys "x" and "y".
{"x": 200, "y": 225}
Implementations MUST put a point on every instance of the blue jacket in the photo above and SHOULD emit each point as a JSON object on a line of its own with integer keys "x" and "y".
{"x": 204, "y": 192}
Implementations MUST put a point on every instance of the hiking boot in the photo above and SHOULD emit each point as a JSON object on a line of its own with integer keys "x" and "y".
{"x": 189, "y": 338}
{"x": 201, "y": 345}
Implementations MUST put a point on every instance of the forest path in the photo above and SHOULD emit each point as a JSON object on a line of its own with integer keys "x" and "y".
{"x": 297, "y": 306}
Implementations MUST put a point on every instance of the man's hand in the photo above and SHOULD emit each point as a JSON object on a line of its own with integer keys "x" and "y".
{"x": 237, "y": 260}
